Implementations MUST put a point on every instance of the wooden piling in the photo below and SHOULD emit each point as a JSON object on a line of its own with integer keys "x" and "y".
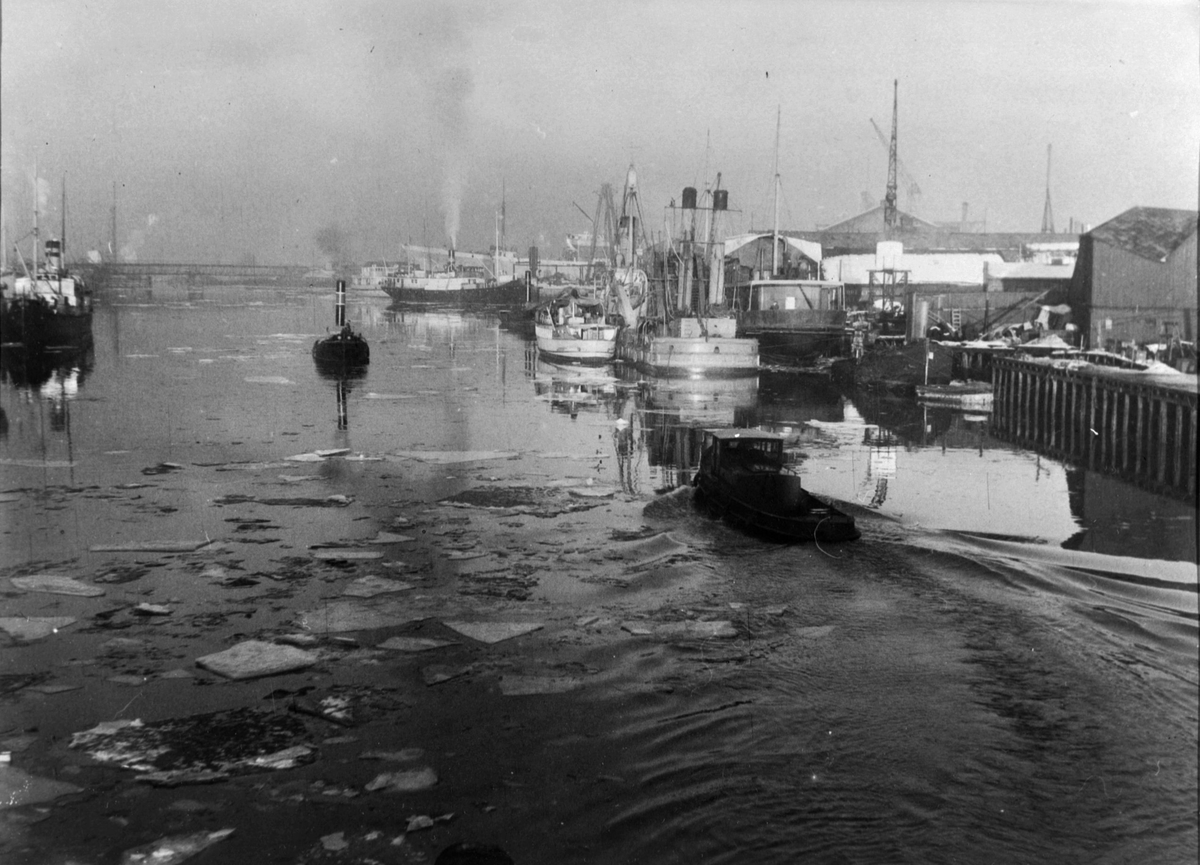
{"x": 1139, "y": 427}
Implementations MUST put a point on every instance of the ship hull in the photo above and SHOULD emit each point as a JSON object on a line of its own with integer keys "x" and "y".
{"x": 676, "y": 356}
{"x": 457, "y": 291}
{"x": 34, "y": 324}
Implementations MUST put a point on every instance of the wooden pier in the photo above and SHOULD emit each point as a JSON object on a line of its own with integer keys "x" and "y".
{"x": 1135, "y": 425}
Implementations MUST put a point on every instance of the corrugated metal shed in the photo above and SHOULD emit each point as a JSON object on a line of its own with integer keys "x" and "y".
{"x": 1148, "y": 232}
{"x": 1135, "y": 279}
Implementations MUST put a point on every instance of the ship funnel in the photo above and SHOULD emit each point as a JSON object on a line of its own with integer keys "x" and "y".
{"x": 53, "y": 255}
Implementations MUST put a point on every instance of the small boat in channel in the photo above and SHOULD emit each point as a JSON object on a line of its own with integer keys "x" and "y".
{"x": 345, "y": 349}
{"x": 743, "y": 478}
{"x": 575, "y": 329}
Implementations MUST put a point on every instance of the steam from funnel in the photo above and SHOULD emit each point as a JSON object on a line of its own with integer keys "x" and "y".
{"x": 452, "y": 188}
{"x": 451, "y": 90}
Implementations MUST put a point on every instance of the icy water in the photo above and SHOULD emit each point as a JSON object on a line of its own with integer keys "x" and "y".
{"x": 1003, "y": 668}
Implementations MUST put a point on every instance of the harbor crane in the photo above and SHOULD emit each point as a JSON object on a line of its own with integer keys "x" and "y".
{"x": 1047, "y": 210}
{"x": 911, "y": 187}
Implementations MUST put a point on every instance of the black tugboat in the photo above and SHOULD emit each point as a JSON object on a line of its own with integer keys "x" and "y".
{"x": 742, "y": 478}
{"x": 345, "y": 349}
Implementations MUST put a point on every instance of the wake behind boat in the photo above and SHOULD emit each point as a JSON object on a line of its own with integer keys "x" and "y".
{"x": 743, "y": 478}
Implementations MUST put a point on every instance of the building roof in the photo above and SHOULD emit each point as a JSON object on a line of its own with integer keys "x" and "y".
{"x": 873, "y": 221}
{"x": 1148, "y": 232}
{"x": 1031, "y": 270}
{"x": 940, "y": 268}
{"x": 810, "y": 248}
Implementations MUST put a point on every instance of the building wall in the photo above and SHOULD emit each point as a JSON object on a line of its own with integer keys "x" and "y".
{"x": 1125, "y": 298}
{"x": 1120, "y": 278}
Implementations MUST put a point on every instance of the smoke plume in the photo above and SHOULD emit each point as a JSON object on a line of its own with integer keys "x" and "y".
{"x": 451, "y": 90}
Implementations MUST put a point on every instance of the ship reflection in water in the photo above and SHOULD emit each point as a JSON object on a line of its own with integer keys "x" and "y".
{"x": 935, "y": 468}
{"x": 52, "y": 375}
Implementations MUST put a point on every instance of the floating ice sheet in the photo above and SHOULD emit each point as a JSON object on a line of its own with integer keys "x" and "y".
{"x": 406, "y": 781}
{"x": 348, "y": 553}
{"x": 56, "y": 585}
{"x": 493, "y": 632}
{"x": 18, "y": 787}
{"x": 268, "y": 379}
{"x": 34, "y": 627}
{"x": 200, "y": 748}
{"x": 414, "y": 644}
{"x": 337, "y": 616}
{"x": 151, "y": 546}
{"x": 370, "y": 586}
{"x": 173, "y": 849}
{"x": 723, "y": 629}
{"x": 516, "y": 686}
{"x": 253, "y": 659}
{"x": 449, "y": 457}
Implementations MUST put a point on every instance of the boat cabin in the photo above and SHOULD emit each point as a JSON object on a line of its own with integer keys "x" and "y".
{"x": 737, "y": 450}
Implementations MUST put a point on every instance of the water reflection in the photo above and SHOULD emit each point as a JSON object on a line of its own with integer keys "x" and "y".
{"x": 344, "y": 378}
{"x": 31, "y": 369}
{"x": 571, "y": 389}
{"x": 936, "y": 467}
{"x": 51, "y": 377}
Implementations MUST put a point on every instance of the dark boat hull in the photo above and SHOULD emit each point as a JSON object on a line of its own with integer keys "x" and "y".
{"x": 776, "y": 506}
{"x": 511, "y": 294}
{"x": 796, "y": 335}
{"x": 342, "y": 351}
{"x": 35, "y": 325}
{"x": 898, "y": 368}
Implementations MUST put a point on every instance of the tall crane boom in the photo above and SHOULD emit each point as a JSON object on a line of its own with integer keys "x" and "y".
{"x": 911, "y": 187}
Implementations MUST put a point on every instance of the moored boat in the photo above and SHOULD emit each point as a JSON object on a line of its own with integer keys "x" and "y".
{"x": 793, "y": 316}
{"x": 666, "y": 332}
{"x": 447, "y": 282}
{"x": 47, "y": 306}
{"x": 450, "y": 288}
{"x": 743, "y": 478}
{"x": 973, "y": 395}
{"x": 575, "y": 329}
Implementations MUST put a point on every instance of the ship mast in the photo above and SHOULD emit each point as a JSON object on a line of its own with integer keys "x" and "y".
{"x": 775, "y": 233}
{"x": 63, "y": 232}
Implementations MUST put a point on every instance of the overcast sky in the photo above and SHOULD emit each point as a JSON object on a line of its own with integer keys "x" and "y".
{"x": 237, "y": 128}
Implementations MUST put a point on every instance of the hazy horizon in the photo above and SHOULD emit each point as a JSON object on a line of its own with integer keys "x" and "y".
{"x": 233, "y": 130}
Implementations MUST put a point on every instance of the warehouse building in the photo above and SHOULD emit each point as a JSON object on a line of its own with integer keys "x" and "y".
{"x": 1135, "y": 279}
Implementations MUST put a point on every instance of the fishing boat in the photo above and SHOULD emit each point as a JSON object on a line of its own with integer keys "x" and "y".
{"x": 743, "y": 478}
{"x": 669, "y": 332}
{"x": 47, "y": 305}
{"x": 575, "y": 329}
{"x": 780, "y": 299}
{"x": 344, "y": 349}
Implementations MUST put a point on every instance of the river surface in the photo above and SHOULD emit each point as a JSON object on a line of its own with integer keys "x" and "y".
{"x": 1002, "y": 669}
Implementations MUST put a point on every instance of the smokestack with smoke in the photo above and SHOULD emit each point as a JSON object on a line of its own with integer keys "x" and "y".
{"x": 332, "y": 243}
{"x": 451, "y": 90}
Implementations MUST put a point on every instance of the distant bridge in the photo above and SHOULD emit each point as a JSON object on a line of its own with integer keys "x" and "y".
{"x": 131, "y": 272}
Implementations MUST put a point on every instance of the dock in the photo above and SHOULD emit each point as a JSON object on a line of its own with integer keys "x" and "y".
{"x": 1136, "y": 425}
